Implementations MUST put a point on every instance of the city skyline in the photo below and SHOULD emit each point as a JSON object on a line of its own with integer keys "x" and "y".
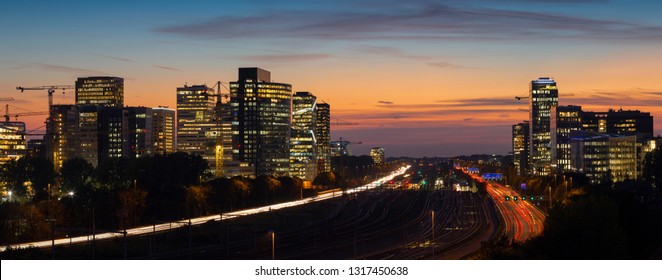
{"x": 420, "y": 78}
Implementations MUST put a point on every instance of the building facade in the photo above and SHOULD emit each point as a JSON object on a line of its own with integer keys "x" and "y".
{"x": 261, "y": 112}
{"x": 377, "y": 155}
{"x": 521, "y": 148}
{"x": 140, "y": 125}
{"x": 100, "y": 91}
{"x": 62, "y": 140}
{"x": 564, "y": 120}
{"x": 12, "y": 141}
{"x": 323, "y": 134}
{"x": 604, "y": 157}
{"x": 198, "y": 126}
{"x": 543, "y": 95}
{"x": 163, "y": 130}
{"x": 303, "y": 141}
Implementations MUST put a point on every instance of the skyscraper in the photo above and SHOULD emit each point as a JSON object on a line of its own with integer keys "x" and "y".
{"x": 564, "y": 119}
{"x": 163, "y": 130}
{"x": 62, "y": 143}
{"x": 521, "y": 148}
{"x": 622, "y": 122}
{"x": 377, "y": 155}
{"x": 543, "y": 95}
{"x": 261, "y": 112}
{"x": 198, "y": 127}
{"x": 323, "y": 133}
{"x": 101, "y": 120}
{"x": 303, "y": 141}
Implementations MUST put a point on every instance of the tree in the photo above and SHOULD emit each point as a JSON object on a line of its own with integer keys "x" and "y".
{"x": 652, "y": 171}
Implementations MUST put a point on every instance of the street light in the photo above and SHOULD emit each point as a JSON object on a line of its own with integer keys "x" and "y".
{"x": 433, "y": 233}
{"x": 273, "y": 238}
{"x": 71, "y": 194}
{"x": 9, "y": 193}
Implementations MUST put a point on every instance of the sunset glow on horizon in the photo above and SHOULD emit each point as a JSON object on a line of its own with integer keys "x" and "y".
{"x": 421, "y": 78}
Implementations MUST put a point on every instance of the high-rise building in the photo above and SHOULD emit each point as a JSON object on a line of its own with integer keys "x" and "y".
{"x": 303, "y": 141}
{"x": 604, "y": 156}
{"x": 261, "y": 112}
{"x": 377, "y": 155}
{"x": 140, "y": 125}
{"x": 100, "y": 91}
{"x": 62, "y": 142}
{"x": 36, "y": 148}
{"x": 102, "y": 123}
{"x": 12, "y": 141}
{"x": 543, "y": 95}
{"x": 88, "y": 134}
{"x": 112, "y": 132}
{"x": 163, "y": 130}
{"x": 521, "y": 148}
{"x": 323, "y": 134}
{"x": 198, "y": 126}
{"x": 564, "y": 119}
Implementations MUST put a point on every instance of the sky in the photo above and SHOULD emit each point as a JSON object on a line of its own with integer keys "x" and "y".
{"x": 421, "y": 78}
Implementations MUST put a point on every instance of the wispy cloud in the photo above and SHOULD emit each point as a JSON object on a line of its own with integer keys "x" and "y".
{"x": 449, "y": 65}
{"x": 57, "y": 68}
{"x": 389, "y": 51}
{"x": 284, "y": 58}
{"x": 385, "y": 102}
{"x": 167, "y": 68}
{"x": 116, "y": 58}
{"x": 417, "y": 21}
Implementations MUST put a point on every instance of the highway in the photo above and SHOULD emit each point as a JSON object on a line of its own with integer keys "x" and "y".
{"x": 152, "y": 229}
{"x": 522, "y": 220}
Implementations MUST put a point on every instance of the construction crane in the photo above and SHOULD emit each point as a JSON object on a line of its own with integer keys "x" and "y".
{"x": 527, "y": 97}
{"x": 7, "y": 115}
{"x": 51, "y": 90}
{"x": 337, "y": 122}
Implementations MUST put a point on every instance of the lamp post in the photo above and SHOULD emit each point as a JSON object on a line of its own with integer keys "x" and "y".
{"x": 273, "y": 243}
{"x": 432, "y": 233}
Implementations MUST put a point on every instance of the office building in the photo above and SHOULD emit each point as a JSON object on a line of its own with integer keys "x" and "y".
{"x": 12, "y": 141}
{"x": 521, "y": 148}
{"x": 62, "y": 142}
{"x": 100, "y": 91}
{"x": 101, "y": 121}
{"x": 198, "y": 126}
{"x": 261, "y": 112}
{"x": 36, "y": 148}
{"x": 604, "y": 157}
{"x": 303, "y": 141}
{"x": 377, "y": 155}
{"x": 163, "y": 130}
{"x": 140, "y": 125}
{"x": 543, "y": 95}
{"x": 323, "y": 134}
{"x": 622, "y": 122}
{"x": 564, "y": 120}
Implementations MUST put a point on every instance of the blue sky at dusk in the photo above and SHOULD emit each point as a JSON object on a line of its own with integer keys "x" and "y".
{"x": 420, "y": 77}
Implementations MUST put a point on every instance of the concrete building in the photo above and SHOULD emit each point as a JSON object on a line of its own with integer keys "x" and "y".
{"x": 140, "y": 125}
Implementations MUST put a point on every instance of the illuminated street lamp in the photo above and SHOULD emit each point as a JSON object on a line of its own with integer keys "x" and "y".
{"x": 9, "y": 193}
{"x": 273, "y": 238}
{"x": 71, "y": 194}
